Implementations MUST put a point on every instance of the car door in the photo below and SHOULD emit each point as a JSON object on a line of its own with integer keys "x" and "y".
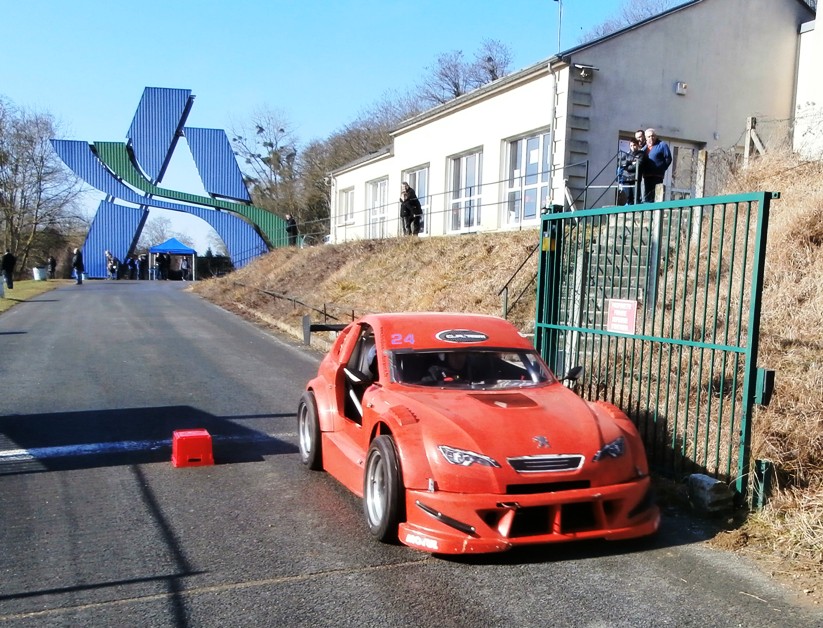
{"x": 357, "y": 372}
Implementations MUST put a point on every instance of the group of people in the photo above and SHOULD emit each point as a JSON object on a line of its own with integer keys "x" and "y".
{"x": 647, "y": 160}
{"x": 9, "y": 261}
{"x": 137, "y": 267}
{"x": 411, "y": 212}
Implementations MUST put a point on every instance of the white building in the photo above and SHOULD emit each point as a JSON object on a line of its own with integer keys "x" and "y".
{"x": 482, "y": 162}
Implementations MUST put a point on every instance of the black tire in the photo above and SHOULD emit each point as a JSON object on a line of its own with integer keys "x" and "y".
{"x": 308, "y": 433}
{"x": 383, "y": 492}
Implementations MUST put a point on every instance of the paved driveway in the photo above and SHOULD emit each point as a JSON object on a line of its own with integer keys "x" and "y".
{"x": 98, "y": 529}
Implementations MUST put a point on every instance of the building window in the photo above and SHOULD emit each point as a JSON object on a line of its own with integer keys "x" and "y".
{"x": 464, "y": 201}
{"x": 377, "y": 194}
{"x": 345, "y": 207}
{"x": 418, "y": 180}
{"x": 528, "y": 178}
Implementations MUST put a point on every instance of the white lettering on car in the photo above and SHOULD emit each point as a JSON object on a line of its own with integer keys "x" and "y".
{"x": 421, "y": 541}
{"x": 461, "y": 335}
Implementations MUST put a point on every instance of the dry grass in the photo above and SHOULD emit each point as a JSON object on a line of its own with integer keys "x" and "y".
{"x": 27, "y": 289}
{"x": 419, "y": 274}
{"x": 790, "y": 431}
{"x": 465, "y": 274}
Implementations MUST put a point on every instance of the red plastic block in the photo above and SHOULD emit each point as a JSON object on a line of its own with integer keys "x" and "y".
{"x": 191, "y": 448}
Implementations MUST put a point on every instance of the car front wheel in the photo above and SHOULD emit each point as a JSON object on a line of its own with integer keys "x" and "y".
{"x": 308, "y": 432}
{"x": 383, "y": 495}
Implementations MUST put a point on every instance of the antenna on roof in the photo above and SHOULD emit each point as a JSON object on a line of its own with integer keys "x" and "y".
{"x": 559, "y": 21}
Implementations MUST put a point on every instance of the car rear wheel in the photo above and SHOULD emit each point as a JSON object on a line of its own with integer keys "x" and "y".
{"x": 383, "y": 494}
{"x": 308, "y": 432}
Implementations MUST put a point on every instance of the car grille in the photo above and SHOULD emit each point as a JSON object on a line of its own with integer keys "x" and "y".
{"x": 546, "y": 487}
{"x": 542, "y": 464}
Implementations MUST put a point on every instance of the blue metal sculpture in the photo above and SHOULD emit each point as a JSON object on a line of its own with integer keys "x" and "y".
{"x": 132, "y": 172}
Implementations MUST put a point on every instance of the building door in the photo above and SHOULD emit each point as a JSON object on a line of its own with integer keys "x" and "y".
{"x": 680, "y": 177}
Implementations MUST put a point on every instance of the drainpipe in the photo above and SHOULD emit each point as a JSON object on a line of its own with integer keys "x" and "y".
{"x": 553, "y": 122}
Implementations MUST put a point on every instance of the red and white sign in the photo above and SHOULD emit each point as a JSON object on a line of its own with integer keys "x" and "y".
{"x": 622, "y": 316}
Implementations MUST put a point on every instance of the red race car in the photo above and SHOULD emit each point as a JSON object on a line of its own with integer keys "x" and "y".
{"x": 460, "y": 440}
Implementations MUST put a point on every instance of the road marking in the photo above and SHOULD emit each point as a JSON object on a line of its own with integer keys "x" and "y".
{"x": 90, "y": 449}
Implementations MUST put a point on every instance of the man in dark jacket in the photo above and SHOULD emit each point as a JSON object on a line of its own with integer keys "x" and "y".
{"x": 411, "y": 212}
{"x": 630, "y": 171}
{"x": 77, "y": 265}
{"x": 658, "y": 160}
{"x": 8, "y": 263}
{"x": 291, "y": 229}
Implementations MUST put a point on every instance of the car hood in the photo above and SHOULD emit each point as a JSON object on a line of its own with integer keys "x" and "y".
{"x": 539, "y": 421}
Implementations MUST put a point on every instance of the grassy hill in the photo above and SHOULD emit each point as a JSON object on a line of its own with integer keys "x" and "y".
{"x": 465, "y": 273}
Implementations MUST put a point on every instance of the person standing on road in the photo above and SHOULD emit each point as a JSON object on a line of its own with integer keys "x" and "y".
{"x": 52, "y": 266}
{"x": 77, "y": 265}
{"x": 7, "y": 264}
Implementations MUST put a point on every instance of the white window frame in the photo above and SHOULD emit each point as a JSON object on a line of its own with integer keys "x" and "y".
{"x": 465, "y": 195}
{"x": 527, "y": 178}
{"x": 345, "y": 206}
{"x": 413, "y": 177}
{"x": 377, "y": 198}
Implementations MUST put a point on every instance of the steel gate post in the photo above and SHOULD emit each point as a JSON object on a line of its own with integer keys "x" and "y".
{"x": 752, "y": 343}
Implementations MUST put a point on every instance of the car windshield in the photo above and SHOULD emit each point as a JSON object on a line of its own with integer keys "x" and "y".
{"x": 484, "y": 369}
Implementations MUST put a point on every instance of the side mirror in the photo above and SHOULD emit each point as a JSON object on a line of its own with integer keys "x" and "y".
{"x": 574, "y": 374}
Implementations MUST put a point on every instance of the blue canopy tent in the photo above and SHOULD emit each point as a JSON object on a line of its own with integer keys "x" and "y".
{"x": 173, "y": 246}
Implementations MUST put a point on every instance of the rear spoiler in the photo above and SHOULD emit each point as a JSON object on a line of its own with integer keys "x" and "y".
{"x": 309, "y": 327}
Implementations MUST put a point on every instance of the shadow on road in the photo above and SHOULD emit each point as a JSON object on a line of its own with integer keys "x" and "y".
{"x": 98, "y": 438}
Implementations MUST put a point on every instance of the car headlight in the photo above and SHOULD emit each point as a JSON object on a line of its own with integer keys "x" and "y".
{"x": 466, "y": 458}
{"x": 614, "y": 449}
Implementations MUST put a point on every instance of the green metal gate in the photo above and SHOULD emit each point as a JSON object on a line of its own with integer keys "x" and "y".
{"x": 660, "y": 303}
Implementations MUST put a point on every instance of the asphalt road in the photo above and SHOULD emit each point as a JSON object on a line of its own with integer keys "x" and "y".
{"x": 97, "y": 528}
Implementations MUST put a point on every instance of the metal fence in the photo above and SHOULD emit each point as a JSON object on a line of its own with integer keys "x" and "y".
{"x": 661, "y": 305}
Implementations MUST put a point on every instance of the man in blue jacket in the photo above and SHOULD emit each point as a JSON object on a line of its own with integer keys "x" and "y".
{"x": 658, "y": 159}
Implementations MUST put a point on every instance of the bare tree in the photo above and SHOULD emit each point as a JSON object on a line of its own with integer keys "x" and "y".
{"x": 448, "y": 79}
{"x": 492, "y": 61}
{"x": 267, "y": 148}
{"x": 631, "y": 12}
{"x": 38, "y": 194}
{"x": 367, "y": 133}
{"x": 452, "y": 75}
{"x": 216, "y": 245}
{"x": 157, "y": 230}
